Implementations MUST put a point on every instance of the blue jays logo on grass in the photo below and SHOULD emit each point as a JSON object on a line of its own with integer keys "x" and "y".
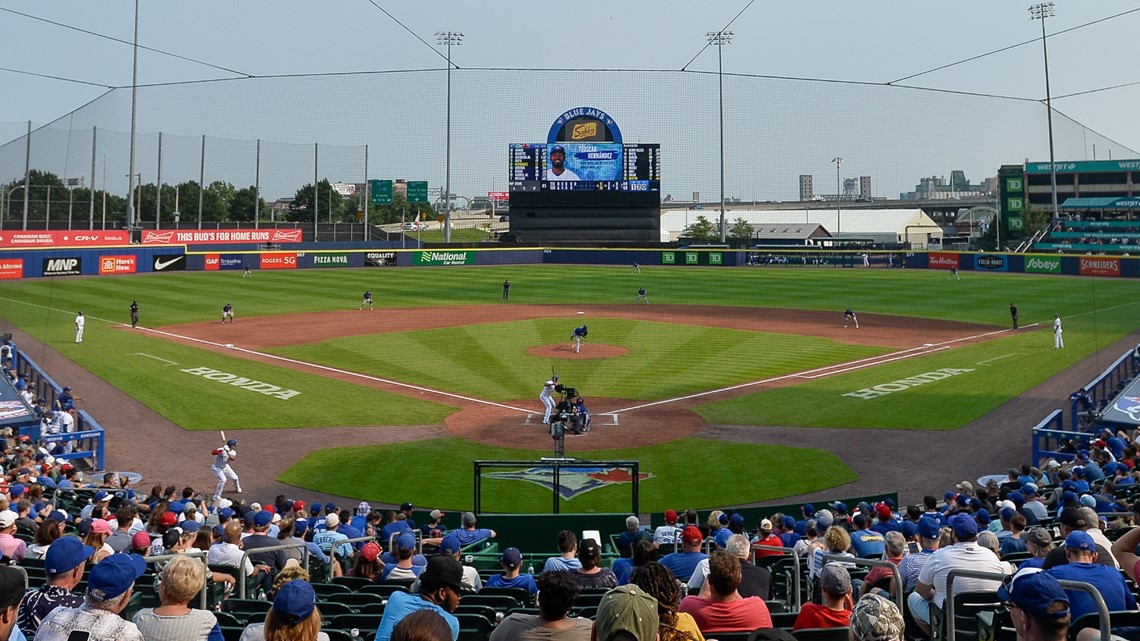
{"x": 573, "y": 482}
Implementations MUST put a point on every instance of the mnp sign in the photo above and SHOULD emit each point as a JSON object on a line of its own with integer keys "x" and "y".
{"x": 427, "y": 258}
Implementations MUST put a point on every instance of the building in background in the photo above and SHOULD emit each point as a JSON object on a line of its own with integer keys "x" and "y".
{"x": 957, "y": 187}
{"x": 806, "y": 191}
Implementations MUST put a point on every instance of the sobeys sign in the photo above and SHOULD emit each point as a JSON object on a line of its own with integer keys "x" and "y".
{"x": 330, "y": 260}
{"x": 1040, "y": 265}
{"x": 443, "y": 258}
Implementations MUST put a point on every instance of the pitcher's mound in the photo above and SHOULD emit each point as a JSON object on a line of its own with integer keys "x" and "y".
{"x": 566, "y": 350}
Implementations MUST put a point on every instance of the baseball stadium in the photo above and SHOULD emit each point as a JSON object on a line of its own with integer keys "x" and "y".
{"x": 590, "y": 321}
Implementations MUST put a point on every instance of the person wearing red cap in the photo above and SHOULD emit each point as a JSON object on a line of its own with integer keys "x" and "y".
{"x": 667, "y": 534}
{"x": 681, "y": 564}
{"x": 885, "y": 519}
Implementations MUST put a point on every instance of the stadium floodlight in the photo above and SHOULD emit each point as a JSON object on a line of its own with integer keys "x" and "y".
{"x": 134, "y": 110}
{"x": 448, "y": 39}
{"x": 721, "y": 38}
{"x": 838, "y": 197}
{"x": 1040, "y": 12}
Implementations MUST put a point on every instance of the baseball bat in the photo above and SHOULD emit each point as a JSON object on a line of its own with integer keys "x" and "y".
{"x": 223, "y": 433}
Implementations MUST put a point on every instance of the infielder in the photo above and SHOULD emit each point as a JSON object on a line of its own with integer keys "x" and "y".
{"x": 80, "y": 322}
{"x": 641, "y": 296}
{"x": 849, "y": 316}
{"x": 222, "y": 457}
{"x": 547, "y": 397}
{"x": 576, "y": 337}
{"x": 1058, "y": 340}
{"x": 367, "y": 300}
{"x": 228, "y": 312}
{"x": 134, "y": 313}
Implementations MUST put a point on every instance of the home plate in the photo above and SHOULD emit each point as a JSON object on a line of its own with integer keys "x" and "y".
{"x": 581, "y": 312}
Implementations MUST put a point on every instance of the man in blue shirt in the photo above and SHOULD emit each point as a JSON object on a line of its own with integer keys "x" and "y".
{"x": 469, "y": 534}
{"x": 681, "y": 564}
{"x": 1081, "y": 551}
{"x": 440, "y": 586}
{"x": 567, "y": 560}
{"x": 511, "y": 563}
{"x": 866, "y": 543}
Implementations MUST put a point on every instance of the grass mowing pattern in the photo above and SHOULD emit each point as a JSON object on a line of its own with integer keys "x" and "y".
{"x": 490, "y": 360}
{"x": 757, "y": 473}
{"x": 1002, "y": 369}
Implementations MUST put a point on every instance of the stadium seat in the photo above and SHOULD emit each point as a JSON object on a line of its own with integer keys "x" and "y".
{"x": 373, "y": 608}
{"x": 586, "y": 612}
{"x": 822, "y": 634}
{"x": 225, "y": 619}
{"x": 232, "y": 633}
{"x": 354, "y": 600}
{"x": 332, "y": 608}
{"x": 244, "y": 607}
{"x": 328, "y": 589}
{"x": 1117, "y": 619}
{"x": 499, "y": 602}
{"x": 354, "y": 583}
{"x": 728, "y": 636}
{"x": 587, "y": 600}
{"x": 518, "y": 594}
{"x": 359, "y": 621}
{"x": 383, "y": 589}
{"x": 784, "y": 619}
{"x": 485, "y": 611}
{"x": 476, "y": 623}
{"x": 338, "y": 635}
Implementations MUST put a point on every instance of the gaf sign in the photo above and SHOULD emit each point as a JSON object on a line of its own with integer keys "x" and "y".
{"x": 70, "y": 266}
{"x": 990, "y": 262}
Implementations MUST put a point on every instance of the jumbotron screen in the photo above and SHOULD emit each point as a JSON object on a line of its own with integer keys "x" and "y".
{"x": 574, "y": 166}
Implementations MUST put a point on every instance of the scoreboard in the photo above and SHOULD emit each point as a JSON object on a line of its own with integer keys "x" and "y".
{"x": 585, "y": 167}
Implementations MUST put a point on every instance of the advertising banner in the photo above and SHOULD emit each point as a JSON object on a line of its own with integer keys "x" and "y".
{"x": 427, "y": 258}
{"x": 1100, "y": 266}
{"x": 991, "y": 262}
{"x": 169, "y": 263}
{"x": 217, "y": 236}
{"x": 279, "y": 260}
{"x": 11, "y": 268}
{"x": 118, "y": 264}
{"x": 330, "y": 260}
{"x": 1043, "y": 265}
{"x": 380, "y": 259}
{"x": 215, "y": 262}
{"x": 940, "y": 260}
{"x": 69, "y": 238}
{"x": 67, "y": 266}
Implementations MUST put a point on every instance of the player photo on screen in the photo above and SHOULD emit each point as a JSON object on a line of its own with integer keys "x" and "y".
{"x": 583, "y": 161}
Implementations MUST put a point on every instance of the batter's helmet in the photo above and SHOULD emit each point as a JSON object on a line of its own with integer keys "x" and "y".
{"x": 232, "y": 442}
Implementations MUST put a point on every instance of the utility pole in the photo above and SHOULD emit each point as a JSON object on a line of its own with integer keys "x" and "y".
{"x": 448, "y": 38}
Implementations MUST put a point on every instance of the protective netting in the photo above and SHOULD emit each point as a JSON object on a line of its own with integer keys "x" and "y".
{"x": 774, "y": 131}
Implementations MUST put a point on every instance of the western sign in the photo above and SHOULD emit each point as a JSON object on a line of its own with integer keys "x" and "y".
{"x": 69, "y": 266}
{"x": 118, "y": 264}
{"x": 330, "y": 260}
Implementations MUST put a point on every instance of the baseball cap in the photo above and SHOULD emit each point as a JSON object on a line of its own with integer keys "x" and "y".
{"x": 140, "y": 540}
{"x": 1038, "y": 536}
{"x": 1080, "y": 540}
{"x": 835, "y": 579}
{"x": 1036, "y": 593}
{"x": 115, "y": 575}
{"x": 188, "y": 526}
{"x": 1029, "y": 488}
{"x": 512, "y": 558}
{"x": 840, "y": 507}
{"x": 883, "y": 511}
{"x": 554, "y": 150}
{"x": 1017, "y": 497}
{"x": 670, "y": 517}
{"x": 406, "y": 507}
{"x": 295, "y": 601}
{"x": 262, "y": 519}
{"x": 226, "y": 513}
{"x": 100, "y": 526}
{"x": 317, "y": 507}
{"x": 823, "y": 520}
{"x": 875, "y": 618}
{"x": 332, "y": 520}
{"x": 450, "y": 545}
{"x": 982, "y": 516}
{"x": 809, "y": 509}
{"x": 102, "y": 495}
{"x": 964, "y": 526}
{"x": 407, "y": 541}
{"x": 692, "y": 534}
{"x": 445, "y": 570}
{"x": 909, "y": 529}
{"x": 1087, "y": 500}
{"x": 59, "y": 516}
{"x": 1068, "y": 497}
{"x": 965, "y": 486}
{"x": 17, "y": 490}
{"x": 788, "y": 522}
{"x": 627, "y": 608}
{"x": 436, "y": 515}
{"x": 722, "y": 518}
{"x": 765, "y": 526}
{"x": 7, "y": 518}
{"x": 66, "y": 554}
{"x": 370, "y": 552}
{"x": 298, "y": 505}
{"x": 1007, "y": 513}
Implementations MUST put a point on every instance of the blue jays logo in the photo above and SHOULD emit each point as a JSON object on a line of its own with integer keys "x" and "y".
{"x": 572, "y": 481}
{"x": 1130, "y": 405}
{"x": 12, "y": 409}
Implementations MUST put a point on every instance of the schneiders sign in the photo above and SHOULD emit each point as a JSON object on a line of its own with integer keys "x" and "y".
{"x": 251, "y": 385}
{"x": 444, "y": 258}
{"x": 906, "y": 383}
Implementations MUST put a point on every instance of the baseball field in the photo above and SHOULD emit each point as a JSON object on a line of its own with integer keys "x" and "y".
{"x": 744, "y": 376}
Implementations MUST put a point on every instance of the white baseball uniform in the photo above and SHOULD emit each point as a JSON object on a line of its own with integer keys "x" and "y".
{"x": 223, "y": 471}
{"x": 547, "y": 398}
{"x": 1058, "y": 339}
{"x": 80, "y": 322}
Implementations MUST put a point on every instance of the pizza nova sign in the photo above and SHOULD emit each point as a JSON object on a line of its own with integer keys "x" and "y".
{"x": 247, "y": 384}
{"x": 906, "y": 383}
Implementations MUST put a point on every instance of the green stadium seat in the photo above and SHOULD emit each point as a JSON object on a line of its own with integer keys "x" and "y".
{"x": 354, "y": 600}
{"x": 327, "y": 589}
{"x": 498, "y": 602}
{"x": 383, "y": 589}
{"x": 518, "y": 594}
{"x": 232, "y": 633}
{"x": 361, "y": 622}
{"x": 354, "y": 583}
{"x": 822, "y": 634}
{"x": 226, "y": 619}
{"x": 332, "y": 608}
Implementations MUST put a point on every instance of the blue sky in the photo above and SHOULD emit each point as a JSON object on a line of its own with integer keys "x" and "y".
{"x": 871, "y": 127}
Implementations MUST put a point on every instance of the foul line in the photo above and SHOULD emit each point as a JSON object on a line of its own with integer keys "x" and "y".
{"x": 336, "y": 370}
{"x": 990, "y": 360}
{"x": 820, "y": 372}
{"x": 154, "y": 357}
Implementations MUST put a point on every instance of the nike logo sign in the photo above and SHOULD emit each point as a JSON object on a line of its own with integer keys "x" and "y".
{"x": 160, "y": 264}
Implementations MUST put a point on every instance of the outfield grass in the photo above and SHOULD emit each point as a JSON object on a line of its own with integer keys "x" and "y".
{"x": 749, "y": 473}
{"x": 490, "y": 360}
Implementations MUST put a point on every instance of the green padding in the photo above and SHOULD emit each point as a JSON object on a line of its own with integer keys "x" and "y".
{"x": 534, "y": 533}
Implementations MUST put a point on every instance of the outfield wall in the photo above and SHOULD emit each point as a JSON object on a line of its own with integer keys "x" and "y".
{"x": 135, "y": 259}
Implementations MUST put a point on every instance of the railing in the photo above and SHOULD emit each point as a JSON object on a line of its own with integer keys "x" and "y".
{"x": 203, "y": 603}
{"x": 1101, "y": 608}
{"x": 1049, "y": 435}
{"x": 1103, "y": 388}
{"x": 241, "y": 578}
{"x": 88, "y": 429}
{"x": 874, "y": 563}
{"x": 796, "y": 577}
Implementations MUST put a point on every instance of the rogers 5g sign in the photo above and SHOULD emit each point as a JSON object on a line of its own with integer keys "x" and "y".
{"x": 279, "y": 260}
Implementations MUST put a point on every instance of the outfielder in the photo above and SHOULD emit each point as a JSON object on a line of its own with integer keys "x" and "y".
{"x": 576, "y": 337}
{"x": 547, "y": 397}
{"x": 849, "y": 316}
{"x": 80, "y": 323}
{"x": 1058, "y": 340}
{"x": 222, "y": 457}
